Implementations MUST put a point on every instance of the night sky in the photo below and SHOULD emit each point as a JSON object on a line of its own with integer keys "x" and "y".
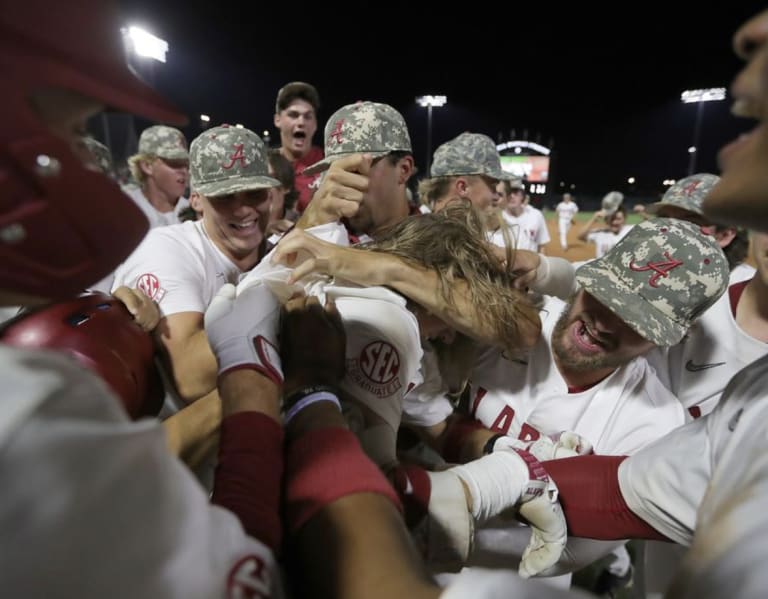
{"x": 607, "y": 96}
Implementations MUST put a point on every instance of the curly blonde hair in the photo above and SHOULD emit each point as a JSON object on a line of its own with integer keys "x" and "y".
{"x": 452, "y": 244}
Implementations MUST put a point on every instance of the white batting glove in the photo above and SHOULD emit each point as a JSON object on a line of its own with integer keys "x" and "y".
{"x": 515, "y": 478}
{"x": 566, "y": 444}
{"x": 242, "y": 330}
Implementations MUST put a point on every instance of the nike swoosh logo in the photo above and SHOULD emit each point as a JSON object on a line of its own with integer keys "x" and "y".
{"x": 691, "y": 367}
{"x": 734, "y": 420}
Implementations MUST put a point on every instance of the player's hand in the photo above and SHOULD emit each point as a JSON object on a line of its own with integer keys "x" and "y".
{"x": 524, "y": 268}
{"x": 242, "y": 330}
{"x": 516, "y": 479}
{"x": 566, "y": 444}
{"x": 144, "y": 310}
{"x": 307, "y": 254}
{"x": 313, "y": 344}
{"x": 341, "y": 192}
{"x": 600, "y": 214}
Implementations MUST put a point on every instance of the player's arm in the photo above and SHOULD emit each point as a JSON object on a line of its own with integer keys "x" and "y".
{"x": 420, "y": 284}
{"x": 340, "y": 193}
{"x": 193, "y": 433}
{"x": 347, "y": 530}
{"x": 187, "y": 355}
{"x": 589, "y": 226}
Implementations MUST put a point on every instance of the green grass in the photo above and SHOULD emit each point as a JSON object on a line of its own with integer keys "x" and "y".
{"x": 582, "y": 217}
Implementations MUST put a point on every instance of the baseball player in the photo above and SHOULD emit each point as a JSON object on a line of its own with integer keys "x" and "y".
{"x": 529, "y": 228}
{"x": 566, "y": 212}
{"x": 705, "y": 484}
{"x": 608, "y": 234}
{"x": 182, "y": 266}
{"x": 468, "y": 168}
{"x": 296, "y": 117}
{"x": 684, "y": 200}
{"x": 161, "y": 169}
{"x": 368, "y": 161}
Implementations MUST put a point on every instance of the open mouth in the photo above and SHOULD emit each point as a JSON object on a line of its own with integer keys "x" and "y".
{"x": 587, "y": 339}
{"x": 744, "y": 108}
{"x": 245, "y": 228}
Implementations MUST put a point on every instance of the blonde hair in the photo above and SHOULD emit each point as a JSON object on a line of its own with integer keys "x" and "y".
{"x": 134, "y": 164}
{"x": 431, "y": 190}
{"x": 452, "y": 244}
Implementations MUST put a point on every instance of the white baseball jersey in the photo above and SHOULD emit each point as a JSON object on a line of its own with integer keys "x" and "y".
{"x": 529, "y": 230}
{"x": 95, "y": 506}
{"x": 383, "y": 343}
{"x": 154, "y": 216}
{"x": 712, "y": 476}
{"x": 180, "y": 268}
{"x": 566, "y": 211}
{"x": 528, "y": 397}
{"x": 742, "y": 272}
{"x": 605, "y": 240}
{"x": 713, "y": 351}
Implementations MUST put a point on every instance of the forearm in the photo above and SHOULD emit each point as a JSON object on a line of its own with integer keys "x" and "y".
{"x": 422, "y": 285}
{"x": 554, "y": 276}
{"x": 192, "y": 364}
{"x": 339, "y": 518}
{"x": 585, "y": 230}
{"x": 192, "y": 434}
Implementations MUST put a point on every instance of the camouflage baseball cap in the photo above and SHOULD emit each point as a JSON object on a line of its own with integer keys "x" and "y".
{"x": 100, "y": 153}
{"x": 611, "y": 202}
{"x": 164, "y": 142}
{"x": 516, "y": 183}
{"x": 225, "y": 160}
{"x": 363, "y": 127}
{"x": 659, "y": 278}
{"x": 468, "y": 154}
{"x": 688, "y": 193}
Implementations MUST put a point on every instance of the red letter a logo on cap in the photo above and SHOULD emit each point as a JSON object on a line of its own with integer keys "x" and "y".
{"x": 238, "y": 156}
{"x": 661, "y": 268}
{"x": 336, "y": 133}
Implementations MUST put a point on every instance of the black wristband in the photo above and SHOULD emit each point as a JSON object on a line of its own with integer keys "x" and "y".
{"x": 488, "y": 447}
{"x": 304, "y": 391}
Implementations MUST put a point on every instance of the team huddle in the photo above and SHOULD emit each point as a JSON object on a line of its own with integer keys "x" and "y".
{"x": 300, "y": 380}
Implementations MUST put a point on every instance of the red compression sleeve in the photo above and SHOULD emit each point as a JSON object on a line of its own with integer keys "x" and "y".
{"x": 592, "y": 501}
{"x": 248, "y": 476}
{"x": 324, "y": 465}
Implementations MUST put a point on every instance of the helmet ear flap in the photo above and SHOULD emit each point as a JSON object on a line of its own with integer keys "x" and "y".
{"x": 100, "y": 334}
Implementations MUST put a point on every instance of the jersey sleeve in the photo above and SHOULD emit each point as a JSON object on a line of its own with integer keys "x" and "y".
{"x": 131, "y": 523}
{"x": 427, "y": 405}
{"x": 167, "y": 271}
{"x": 665, "y": 482}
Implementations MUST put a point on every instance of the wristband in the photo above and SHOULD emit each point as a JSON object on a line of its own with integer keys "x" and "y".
{"x": 308, "y": 400}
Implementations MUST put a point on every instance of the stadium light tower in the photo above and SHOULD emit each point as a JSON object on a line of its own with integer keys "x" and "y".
{"x": 429, "y": 102}
{"x": 699, "y": 96}
{"x": 142, "y": 43}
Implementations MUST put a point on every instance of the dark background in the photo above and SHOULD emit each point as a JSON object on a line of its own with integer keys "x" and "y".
{"x": 601, "y": 86}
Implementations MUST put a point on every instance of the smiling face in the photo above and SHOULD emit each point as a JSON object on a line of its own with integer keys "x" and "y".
{"x": 236, "y": 224}
{"x": 297, "y": 124}
{"x": 590, "y": 341}
{"x": 741, "y": 197}
{"x": 170, "y": 177}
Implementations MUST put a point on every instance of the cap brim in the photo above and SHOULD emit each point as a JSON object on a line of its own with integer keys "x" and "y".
{"x": 180, "y": 155}
{"x": 654, "y": 208}
{"x": 235, "y": 185}
{"x": 638, "y": 313}
{"x": 325, "y": 163}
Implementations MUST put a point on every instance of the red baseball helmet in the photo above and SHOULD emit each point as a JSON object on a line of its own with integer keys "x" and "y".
{"x": 62, "y": 226}
{"x": 99, "y": 332}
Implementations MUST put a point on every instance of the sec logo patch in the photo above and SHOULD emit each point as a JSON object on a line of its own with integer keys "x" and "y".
{"x": 149, "y": 284}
